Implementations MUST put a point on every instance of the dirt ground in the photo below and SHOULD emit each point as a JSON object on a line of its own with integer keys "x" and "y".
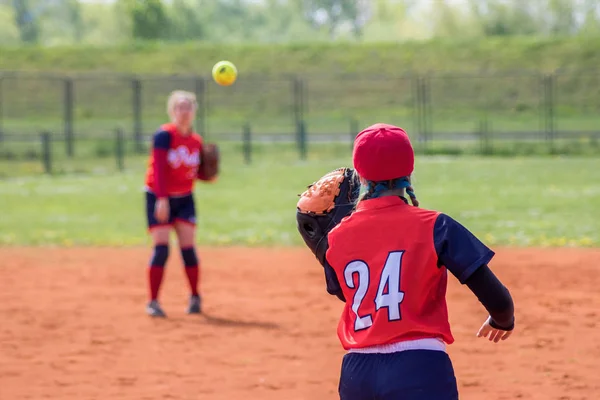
{"x": 72, "y": 326}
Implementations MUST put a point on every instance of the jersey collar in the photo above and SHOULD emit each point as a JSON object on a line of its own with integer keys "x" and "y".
{"x": 381, "y": 202}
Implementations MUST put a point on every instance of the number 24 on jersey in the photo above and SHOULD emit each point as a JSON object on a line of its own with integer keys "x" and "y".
{"x": 390, "y": 279}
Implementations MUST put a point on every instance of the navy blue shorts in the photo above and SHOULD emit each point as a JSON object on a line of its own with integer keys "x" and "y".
{"x": 180, "y": 209}
{"x": 404, "y": 375}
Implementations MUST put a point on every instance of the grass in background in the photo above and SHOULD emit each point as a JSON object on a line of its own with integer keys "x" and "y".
{"x": 100, "y": 156}
{"x": 543, "y": 201}
{"x": 475, "y": 54}
{"x": 498, "y": 79}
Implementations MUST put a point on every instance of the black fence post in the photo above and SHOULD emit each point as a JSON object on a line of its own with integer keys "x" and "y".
{"x": 298, "y": 101}
{"x": 200, "y": 90}
{"x": 301, "y": 139}
{"x": 1, "y": 108}
{"x": 137, "y": 115}
{"x": 353, "y": 131}
{"x": 46, "y": 152}
{"x": 119, "y": 149}
{"x": 549, "y": 100}
{"x": 68, "y": 117}
{"x": 294, "y": 105}
{"x": 416, "y": 104}
{"x": 485, "y": 136}
{"x": 422, "y": 105}
{"x": 427, "y": 114}
{"x": 247, "y": 143}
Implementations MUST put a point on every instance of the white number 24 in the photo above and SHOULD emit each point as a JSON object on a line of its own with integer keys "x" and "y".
{"x": 390, "y": 276}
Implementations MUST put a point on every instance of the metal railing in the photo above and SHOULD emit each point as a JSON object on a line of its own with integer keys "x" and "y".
{"x": 440, "y": 107}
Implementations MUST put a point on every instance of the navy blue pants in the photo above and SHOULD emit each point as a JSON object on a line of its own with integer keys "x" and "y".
{"x": 180, "y": 209}
{"x": 404, "y": 375}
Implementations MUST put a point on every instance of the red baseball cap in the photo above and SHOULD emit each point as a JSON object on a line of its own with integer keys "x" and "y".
{"x": 383, "y": 152}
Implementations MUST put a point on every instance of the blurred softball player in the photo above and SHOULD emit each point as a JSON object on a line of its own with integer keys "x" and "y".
{"x": 177, "y": 159}
{"x": 388, "y": 261}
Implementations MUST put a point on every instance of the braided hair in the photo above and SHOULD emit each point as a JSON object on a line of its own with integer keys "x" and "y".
{"x": 376, "y": 189}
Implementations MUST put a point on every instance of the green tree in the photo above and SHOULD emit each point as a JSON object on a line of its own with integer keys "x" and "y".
{"x": 591, "y": 22}
{"x": 334, "y": 13}
{"x": 185, "y": 22}
{"x": 505, "y": 18}
{"x": 75, "y": 18}
{"x": 562, "y": 20}
{"x": 61, "y": 21}
{"x": 9, "y": 32}
{"x": 149, "y": 19}
{"x": 26, "y": 21}
{"x": 446, "y": 19}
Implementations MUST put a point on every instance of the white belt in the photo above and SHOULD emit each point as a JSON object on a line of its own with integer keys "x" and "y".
{"x": 417, "y": 344}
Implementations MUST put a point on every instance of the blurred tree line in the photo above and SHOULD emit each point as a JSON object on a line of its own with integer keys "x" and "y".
{"x": 99, "y": 22}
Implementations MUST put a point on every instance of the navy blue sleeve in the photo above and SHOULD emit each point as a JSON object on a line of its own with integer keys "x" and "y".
{"x": 162, "y": 140}
{"x": 458, "y": 249}
{"x": 494, "y": 296}
{"x": 332, "y": 282}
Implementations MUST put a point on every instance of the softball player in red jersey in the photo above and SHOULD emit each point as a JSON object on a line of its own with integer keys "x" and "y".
{"x": 388, "y": 261}
{"x": 172, "y": 171}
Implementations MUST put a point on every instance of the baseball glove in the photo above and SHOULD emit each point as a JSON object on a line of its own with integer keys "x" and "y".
{"x": 209, "y": 162}
{"x": 323, "y": 205}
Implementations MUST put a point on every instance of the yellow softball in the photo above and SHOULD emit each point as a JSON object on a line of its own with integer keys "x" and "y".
{"x": 224, "y": 73}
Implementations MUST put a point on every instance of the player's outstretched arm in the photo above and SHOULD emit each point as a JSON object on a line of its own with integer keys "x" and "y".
{"x": 467, "y": 258}
{"x": 496, "y": 299}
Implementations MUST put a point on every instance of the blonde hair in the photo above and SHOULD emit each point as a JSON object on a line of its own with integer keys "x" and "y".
{"x": 368, "y": 188}
{"x": 356, "y": 176}
{"x": 177, "y": 96}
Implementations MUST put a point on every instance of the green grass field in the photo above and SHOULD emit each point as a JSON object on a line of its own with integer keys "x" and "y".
{"x": 100, "y": 156}
{"x": 451, "y": 54}
{"x": 533, "y": 201}
{"x": 538, "y": 200}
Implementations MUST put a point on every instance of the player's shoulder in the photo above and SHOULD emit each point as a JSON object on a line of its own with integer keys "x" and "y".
{"x": 352, "y": 227}
{"x": 419, "y": 214}
{"x": 161, "y": 133}
{"x": 339, "y": 229}
{"x": 443, "y": 218}
{"x": 447, "y": 227}
{"x": 344, "y": 223}
{"x": 164, "y": 130}
{"x": 169, "y": 128}
{"x": 443, "y": 225}
{"x": 334, "y": 231}
{"x": 162, "y": 138}
{"x": 426, "y": 212}
{"x": 196, "y": 137}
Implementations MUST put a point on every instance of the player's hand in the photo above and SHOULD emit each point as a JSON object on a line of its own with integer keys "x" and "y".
{"x": 161, "y": 210}
{"x": 494, "y": 334}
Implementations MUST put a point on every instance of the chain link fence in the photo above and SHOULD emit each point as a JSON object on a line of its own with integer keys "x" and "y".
{"x": 84, "y": 115}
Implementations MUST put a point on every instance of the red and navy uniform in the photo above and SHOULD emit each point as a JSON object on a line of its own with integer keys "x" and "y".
{"x": 389, "y": 262}
{"x": 172, "y": 171}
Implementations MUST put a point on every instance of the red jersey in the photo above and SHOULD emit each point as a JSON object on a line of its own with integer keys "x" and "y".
{"x": 173, "y": 164}
{"x": 386, "y": 261}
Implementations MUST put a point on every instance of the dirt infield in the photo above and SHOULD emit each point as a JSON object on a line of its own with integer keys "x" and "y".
{"x": 72, "y": 326}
